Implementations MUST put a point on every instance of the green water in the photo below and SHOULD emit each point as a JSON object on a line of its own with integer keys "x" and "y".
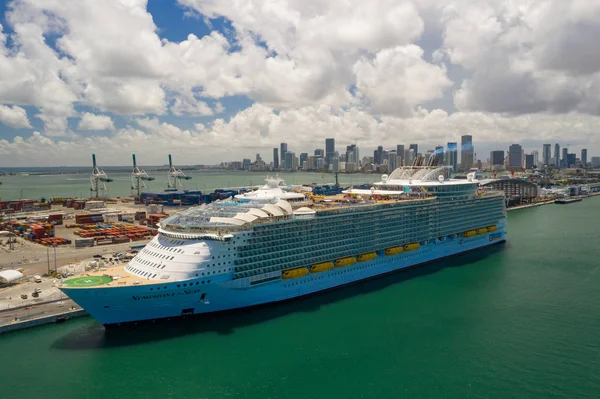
{"x": 520, "y": 320}
{"x": 77, "y": 185}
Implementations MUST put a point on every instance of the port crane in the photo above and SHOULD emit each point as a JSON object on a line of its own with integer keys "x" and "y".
{"x": 175, "y": 176}
{"x": 98, "y": 179}
{"x": 139, "y": 177}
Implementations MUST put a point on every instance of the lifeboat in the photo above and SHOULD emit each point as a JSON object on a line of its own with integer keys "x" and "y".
{"x": 347, "y": 261}
{"x": 470, "y": 233}
{"x": 321, "y": 267}
{"x": 412, "y": 246}
{"x": 366, "y": 257}
{"x": 393, "y": 250}
{"x": 483, "y": 230}
{"x": 492, "y": 228}
{"x": 294, "y": 273}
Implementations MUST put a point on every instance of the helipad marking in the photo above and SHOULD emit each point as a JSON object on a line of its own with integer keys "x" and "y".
{"x": 87, "y": 281}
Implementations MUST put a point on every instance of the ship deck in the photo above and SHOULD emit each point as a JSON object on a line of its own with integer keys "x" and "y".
{"x": 115, "y": 276}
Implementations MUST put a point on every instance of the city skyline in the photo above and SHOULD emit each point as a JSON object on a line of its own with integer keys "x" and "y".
{"x": 209, "y": 82}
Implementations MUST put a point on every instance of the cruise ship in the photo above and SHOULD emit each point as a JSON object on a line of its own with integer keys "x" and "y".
{"x": 273, "y": 245}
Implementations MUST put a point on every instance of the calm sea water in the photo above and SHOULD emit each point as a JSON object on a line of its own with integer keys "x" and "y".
{"x": 30, "y": 184}
{"x": 516, "y": 321}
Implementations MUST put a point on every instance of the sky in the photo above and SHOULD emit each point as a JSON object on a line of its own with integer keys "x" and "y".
{"x": 211, "y": 81}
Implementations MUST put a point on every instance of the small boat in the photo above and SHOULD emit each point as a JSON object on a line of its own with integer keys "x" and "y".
{"x": 366, "y": 257}
{"x": 412, "y": 246}
{"x": 61, "y": 319}
{"x": 566, "y": 200}
{"x": 482, "y": 230}
{"x": 393, "y": 250}
{"x": 470, "y": 233}
{"x": 347, "y": 261}
{"x": 294, "y": 273}
{"x": 321, "y": 267}
{"x": 492, "y": 228}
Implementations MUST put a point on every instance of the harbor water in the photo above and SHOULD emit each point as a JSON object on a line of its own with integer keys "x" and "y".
{"x": 75, "y": 182}
{"x": 519, "y": 320}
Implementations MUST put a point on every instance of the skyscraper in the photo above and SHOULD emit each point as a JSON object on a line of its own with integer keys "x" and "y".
{"x": 466, "y": 152}
{"x": 584, "y": 157}
{"x": 556, "y": 155}
{"x": 452, "y": 156}
{"x": 439, "y": 153}
{"x": 536, "y": 158}
{"x": 303, "y": 158}
{"x": 352, "y": 155}
{"x": 283, "y": 150}
{"x": 319, "y": 152}
{"x": 515, "y": 157}
{"x": 378, "y": 156}
{"x": 415, "y": 148}
{"x": 329, "y": 150}
{"x": 565, "y": 155}
{"x": 275, "y": 158}
{"x": 289, "y": 160}
{"x": 546, "y": 149}
{"x": 529, "y": 161}
{"x": 400, "y": 153}
{"x": 497, "y": 159}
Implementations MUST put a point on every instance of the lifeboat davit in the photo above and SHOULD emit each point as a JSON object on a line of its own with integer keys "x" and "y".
{"x": 294, "y": 273}
{"x": 347, "y": 261}
{"x": 321, "y": 267}
{"x": 366, "y": 257}
{"x": 470, "y": 233}
{"x": 492, "y": 228}
{"x": 411, "y": 246}
{"x": 393, "y": 250}
{"x": 483, "y": 230}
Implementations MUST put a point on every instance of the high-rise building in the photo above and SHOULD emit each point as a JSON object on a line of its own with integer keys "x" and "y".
{"x": 378, "y": 156}
{"x": 400, "y": 153}
{"x": 415, "y": 148}
{"x": 536, "y": 158}
{"x": 392, "y": 161}
{"x": 556, "y": 155}
{"x": 452, "y": 156}
{"x": 289, "y": 160}
{"x": 283, "y": 150}
{"x": 329, "y": 150}
{"x": 515, "y": 157}
{"x": 276, "y": 158}
{"x": 595, "y": 162}
{"x": 546, "y": 149}
{"x": 584, "y": 157}
{"x": 571, "y": 161}
{"x": 497, "y": 159}
{"x": 565, "y": 155}
{"x": 319, "y": 152}
{"x": 352, "y": 155}
{"x": 529, "y": 161}
{"x": 303, "y": 158}
{"x": 466, "y": 152}
{"x": 439, "y": 153}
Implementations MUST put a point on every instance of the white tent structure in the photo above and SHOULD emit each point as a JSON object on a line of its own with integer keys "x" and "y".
{"x": 8, "y": 276}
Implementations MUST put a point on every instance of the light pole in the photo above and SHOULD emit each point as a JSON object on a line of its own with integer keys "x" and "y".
{"x": 48, "y": 256}
{"x": 10, "y": 235}
{"x": 55, "y": 268}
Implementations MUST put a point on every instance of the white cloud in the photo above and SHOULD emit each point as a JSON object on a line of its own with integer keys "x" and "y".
{"x": 14, "y": 116}
{"x": 398, "y": 79}
{"x": 90, "y": 121}
{"x": 258, "y": 129}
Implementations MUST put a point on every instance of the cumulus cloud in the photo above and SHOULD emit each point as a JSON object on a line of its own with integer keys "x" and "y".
{"x": 258, "y": 129}
{"x": 525, "y": 56}
{"x": 91, "y": 121}
{"x": 14, "y": 116}
{"x": 349, "y": 69}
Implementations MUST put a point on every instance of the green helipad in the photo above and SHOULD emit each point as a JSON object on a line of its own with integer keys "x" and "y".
{"x": 86, "y": 281}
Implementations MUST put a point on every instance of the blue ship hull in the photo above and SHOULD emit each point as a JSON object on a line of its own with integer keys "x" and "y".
{"x": 124, "y": 305}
